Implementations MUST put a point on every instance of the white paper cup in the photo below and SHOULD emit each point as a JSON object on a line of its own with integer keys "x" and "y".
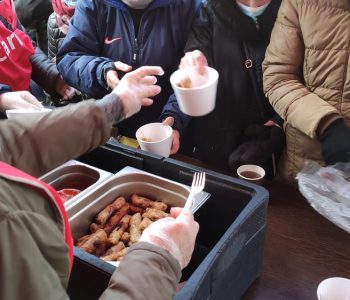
{"x": 252, "y": 173}
{"x": 26, "y": 113}
{"x": 334, "y": 288}
{"x": 155, "y": 138}
{"x": 200, "y": 99}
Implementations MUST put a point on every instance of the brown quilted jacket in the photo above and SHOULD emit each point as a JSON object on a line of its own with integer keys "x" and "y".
{"x": 307, "y": 74}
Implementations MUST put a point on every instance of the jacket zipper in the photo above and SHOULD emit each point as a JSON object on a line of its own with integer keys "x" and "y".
{"x": 135, "y": 52}
{"x": 257, "y": 26}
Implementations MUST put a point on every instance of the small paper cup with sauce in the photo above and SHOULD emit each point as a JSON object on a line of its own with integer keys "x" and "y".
{"x": 251, "y": 173}
{"x": 155, "y": 138}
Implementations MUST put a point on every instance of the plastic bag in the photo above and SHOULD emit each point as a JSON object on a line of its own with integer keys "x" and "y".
{"x": 327, "y": 189}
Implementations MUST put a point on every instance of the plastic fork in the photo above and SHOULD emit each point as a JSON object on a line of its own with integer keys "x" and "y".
{"x": 197, "y": 186}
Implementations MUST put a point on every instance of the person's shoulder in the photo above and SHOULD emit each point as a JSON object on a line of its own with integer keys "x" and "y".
{"x": 94, "y": 3}
{"x": 322, "y": 3}
{"x": 315, "y": 7}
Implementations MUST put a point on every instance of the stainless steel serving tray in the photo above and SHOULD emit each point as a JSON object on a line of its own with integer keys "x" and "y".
{"x": 76, "y": 175}
{"x": 125, "y": 183}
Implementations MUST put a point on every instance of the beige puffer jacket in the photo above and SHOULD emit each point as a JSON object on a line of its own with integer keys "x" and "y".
{"x": 307, "y": 74}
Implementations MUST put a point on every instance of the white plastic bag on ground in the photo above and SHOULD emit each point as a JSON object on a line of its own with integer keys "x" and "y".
{"x": 328, "y": 191}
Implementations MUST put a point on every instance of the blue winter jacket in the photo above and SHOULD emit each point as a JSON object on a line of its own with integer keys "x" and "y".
{"x": 102, "y": 32}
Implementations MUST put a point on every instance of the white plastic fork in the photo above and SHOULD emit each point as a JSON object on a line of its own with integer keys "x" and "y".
{"x": 197, "y": 186}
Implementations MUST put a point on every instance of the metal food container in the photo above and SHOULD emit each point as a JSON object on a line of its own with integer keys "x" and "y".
{"x": 75, "y": 175}
{"x": 125, "y": 183}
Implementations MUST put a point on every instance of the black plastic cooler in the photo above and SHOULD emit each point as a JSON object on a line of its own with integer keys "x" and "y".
{"x": 229, "y": 248}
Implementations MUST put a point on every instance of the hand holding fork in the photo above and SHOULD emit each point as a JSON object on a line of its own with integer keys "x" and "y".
{"x": 197, "y": 186}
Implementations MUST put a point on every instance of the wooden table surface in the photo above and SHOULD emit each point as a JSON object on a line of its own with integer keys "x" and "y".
{"x": 301, "y": 249}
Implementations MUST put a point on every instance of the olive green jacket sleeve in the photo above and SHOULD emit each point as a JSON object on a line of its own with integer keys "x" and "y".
{"x": 146, "y": 272}
{"x": 284, "y": 73}
{"x": 63, "y": 134}
{"x": 33, "y": 255}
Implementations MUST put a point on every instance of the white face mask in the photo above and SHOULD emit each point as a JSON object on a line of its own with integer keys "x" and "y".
{"x": 252, "y": 12}
{"x": 137, "y": 4}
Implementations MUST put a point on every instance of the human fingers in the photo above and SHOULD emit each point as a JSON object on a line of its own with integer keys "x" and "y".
{"x": 149, "y": 80}
{"x": 175, "y": 211}
{"x": 270, "y": 123}
{"x": 199, "y": 58}
{"x": 145, "y": 71}
{"x": 185, "y": 215}
{"x": 193, "y": 59}
{"x": 185, "y": 61}
{"x": 30, "y": 99}
{"x": 20, "y": 103}
{"x": 168, "y": 121}
{"x": 112, "y": 79}
{"x": 200, "y": 61}
{"x": 146, "y": 102}
{"x": 61, "y": 87}
{"x": 68, "y": 92}
{"x": 122, "y": 66}
{"x": 149, "y": 91}
{"x": 175, "y": 146}
{"x": 175, "y": 235}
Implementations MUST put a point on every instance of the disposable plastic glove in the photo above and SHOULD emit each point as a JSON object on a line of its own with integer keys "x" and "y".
{"x": 176, "y": 233}
{"x": 19, "y": 100}
{"x": 136, "y": 88}
{"x": 263, "y": 142}
{"x": 335, "y": 143}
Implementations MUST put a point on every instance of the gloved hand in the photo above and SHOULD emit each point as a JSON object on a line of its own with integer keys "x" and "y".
{"x": 176, "y": 234}
{"x": 335, "y": 143}
{"x": 263, "y": 141}
{"x": 19, "y": 100}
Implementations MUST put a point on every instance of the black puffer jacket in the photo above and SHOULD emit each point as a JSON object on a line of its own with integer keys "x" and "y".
{"x": 55, "y": 36}
{"x": 29, "y": 11}
{"x": 220, "y": 32}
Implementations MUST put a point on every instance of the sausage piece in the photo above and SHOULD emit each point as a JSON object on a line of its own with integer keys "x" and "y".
{"x": 145, "y": 202}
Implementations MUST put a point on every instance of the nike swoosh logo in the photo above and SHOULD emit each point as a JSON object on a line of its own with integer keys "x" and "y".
{"x": 110, "y": 41}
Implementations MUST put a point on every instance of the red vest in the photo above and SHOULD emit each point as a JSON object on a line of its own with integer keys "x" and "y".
{"x": 15, "y": 50}
{"x": 13, "y": 174}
